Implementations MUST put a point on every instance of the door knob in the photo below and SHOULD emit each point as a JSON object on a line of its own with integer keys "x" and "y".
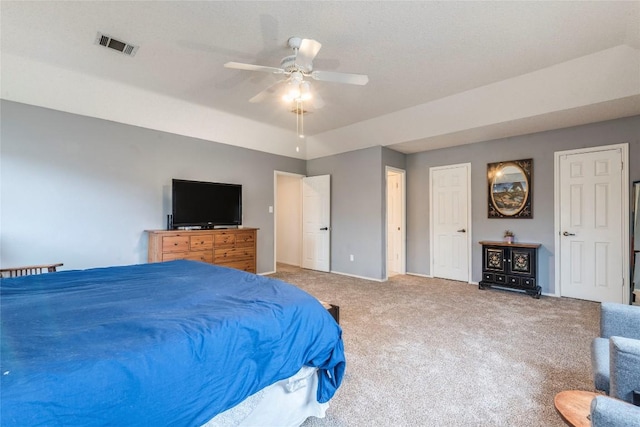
{"x": 462, "y": 230}
{"x": 566, "y": 233}
{"x": 324, "y": 228}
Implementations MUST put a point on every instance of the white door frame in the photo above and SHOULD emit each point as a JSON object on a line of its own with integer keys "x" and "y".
{"x": 469, "y": 222}
{"x": 403, "y": 221}
{"x": 624, "y": 148}
{"x": 277, "y": 173}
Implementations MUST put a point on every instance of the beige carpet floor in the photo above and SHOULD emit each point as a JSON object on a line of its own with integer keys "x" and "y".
{"x": 434, "y": 352}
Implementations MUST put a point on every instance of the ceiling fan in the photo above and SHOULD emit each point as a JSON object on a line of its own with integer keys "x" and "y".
{"x": 296, "y": 68}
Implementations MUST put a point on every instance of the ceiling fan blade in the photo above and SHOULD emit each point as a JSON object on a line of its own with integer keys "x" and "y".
{"x": 308, "y": 50}
{"x": 251, "y": 67}
{"x": 329, "y": 76}
{"x": 270, "y": 90}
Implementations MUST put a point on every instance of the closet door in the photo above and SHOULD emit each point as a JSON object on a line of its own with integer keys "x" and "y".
{"x": 450, "y": 223}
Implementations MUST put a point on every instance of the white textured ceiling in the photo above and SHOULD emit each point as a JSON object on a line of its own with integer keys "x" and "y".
{"x": 440, "y": 73}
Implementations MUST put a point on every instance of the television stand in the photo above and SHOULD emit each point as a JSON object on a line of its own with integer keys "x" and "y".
{"x": 235, "y": 248}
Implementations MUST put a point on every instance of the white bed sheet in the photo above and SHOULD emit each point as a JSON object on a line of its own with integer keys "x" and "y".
{"x": 286, "y": 403}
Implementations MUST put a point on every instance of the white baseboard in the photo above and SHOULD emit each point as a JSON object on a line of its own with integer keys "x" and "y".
{"x": 265, "y": 273}
{"x": 428, "y": 276}
{"x": 356, "y": 276}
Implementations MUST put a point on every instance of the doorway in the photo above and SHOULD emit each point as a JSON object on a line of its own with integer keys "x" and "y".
{"x": 302, "y": 221}
{"x": 396, "y": 229}
{"x": 287, "y": 219}
{"x": 450, "y": 221}
{"x": 592, "y": 223}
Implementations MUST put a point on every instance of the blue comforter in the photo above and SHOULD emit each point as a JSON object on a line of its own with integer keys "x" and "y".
{"x": 170, "y": 343}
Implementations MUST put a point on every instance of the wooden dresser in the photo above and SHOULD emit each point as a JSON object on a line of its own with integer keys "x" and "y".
{"x": 235, "y": 248}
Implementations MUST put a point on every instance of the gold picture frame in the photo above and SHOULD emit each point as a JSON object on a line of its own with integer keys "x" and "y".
{"x": 510, "y": 189}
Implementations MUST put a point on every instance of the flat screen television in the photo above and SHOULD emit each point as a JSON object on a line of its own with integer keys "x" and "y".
{"x": 205, "y": 204}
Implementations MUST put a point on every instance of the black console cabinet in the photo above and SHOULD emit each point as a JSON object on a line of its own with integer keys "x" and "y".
{"x": 510, "y": 265}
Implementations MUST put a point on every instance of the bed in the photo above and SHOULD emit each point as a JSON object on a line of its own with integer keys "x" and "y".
{"x": 173, "y": 343}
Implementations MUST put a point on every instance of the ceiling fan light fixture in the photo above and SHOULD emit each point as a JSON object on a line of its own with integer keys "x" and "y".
{"x": 297, "y": 92}
{"x": 305, "y": 91}
{"x": 293, "y": 88}
{"x": 292, "y": 92}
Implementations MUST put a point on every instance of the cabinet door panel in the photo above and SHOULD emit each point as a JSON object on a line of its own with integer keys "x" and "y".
{"x": 494, "y": 259}
{"x": 521, "y": 261}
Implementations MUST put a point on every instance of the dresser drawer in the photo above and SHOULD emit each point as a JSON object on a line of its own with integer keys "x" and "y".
{"x": 232, "y": 254}
{"x": 529, "y": 282}
{"x": 204, "y": 256}
{"x": 514, "y": 281}
{"x": 244, "y": 265}
{"x": 201, "y": 242}
{"x": 225, "y": 239}
{"x": 488, "y": 277}
{"x": 177, "y": 243}
{"x": 245, "y": 239}
{"x": 501, "y": 278}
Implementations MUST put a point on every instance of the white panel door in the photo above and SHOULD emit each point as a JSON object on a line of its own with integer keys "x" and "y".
{"x": 450, "y": 222}
{"x": 316, "y": 222}
{"x": 590, "y": 198}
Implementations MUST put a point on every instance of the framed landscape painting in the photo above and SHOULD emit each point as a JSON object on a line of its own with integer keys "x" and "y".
{"x": 510, "y": 189}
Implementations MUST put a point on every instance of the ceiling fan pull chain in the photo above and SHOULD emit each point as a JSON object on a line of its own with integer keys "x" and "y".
{"x": 300, "y": 118}
{"x": 297, "y": 118}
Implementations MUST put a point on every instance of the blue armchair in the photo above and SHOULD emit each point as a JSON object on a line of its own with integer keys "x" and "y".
{"x": 609, "y": 412}
{"x": 615, "y": 357}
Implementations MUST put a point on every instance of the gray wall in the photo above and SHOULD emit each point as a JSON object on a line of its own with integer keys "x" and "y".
{"x": 358, "y": 212}
{"x": 540, "y": 147}
{"x": 82, "y": 191}
{"x": 355, "y": 210}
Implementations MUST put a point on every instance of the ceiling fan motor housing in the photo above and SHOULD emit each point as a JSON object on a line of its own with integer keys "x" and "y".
{"x": 289, "y": 65}
{"x": 294, "y": 42}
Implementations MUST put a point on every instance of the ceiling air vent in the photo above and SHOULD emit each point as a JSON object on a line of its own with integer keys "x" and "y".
{"x": 122, "y": 47}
